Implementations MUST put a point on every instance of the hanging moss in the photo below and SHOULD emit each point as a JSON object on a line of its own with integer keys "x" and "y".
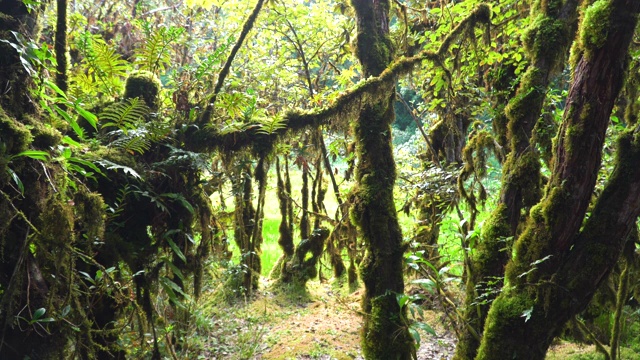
{"x": 145, "y": 85}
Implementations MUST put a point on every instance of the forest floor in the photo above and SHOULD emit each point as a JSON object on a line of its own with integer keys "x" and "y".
{"x": 322, "y": 322}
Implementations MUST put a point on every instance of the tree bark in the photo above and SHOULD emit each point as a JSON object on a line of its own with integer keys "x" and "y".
{"x": 557, "y": 266}
{"x": 384, "y": 334}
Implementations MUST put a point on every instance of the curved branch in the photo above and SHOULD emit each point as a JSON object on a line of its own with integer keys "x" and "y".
{"x": 206, "y": 116}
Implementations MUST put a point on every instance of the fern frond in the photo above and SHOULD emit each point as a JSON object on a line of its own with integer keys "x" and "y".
{"x": 108, "y": 62}
{"x": 105, "y": 67}
{"x": 133, "y": 141}
{"x": 158, "y": 131}
{"x": 270, "y": 125}
{"x": 124, "y": 115}
{"x": 179, "y": 157}
{"x": 155, "y": 54}
{"x": 127, "y": 170}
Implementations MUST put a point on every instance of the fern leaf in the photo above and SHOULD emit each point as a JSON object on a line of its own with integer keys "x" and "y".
{"x": 125, "y": 115}
{"x": 108, "y": 61}
{"x": 133, "y": 142}
{"x": 113, "y": 166}
{"x": 269, "y": 126}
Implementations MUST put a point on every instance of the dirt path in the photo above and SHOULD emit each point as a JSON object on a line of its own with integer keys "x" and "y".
{"x": 321, "y": 324}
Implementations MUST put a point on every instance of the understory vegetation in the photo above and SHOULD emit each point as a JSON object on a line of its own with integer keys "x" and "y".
{"x": 321, "y": 179}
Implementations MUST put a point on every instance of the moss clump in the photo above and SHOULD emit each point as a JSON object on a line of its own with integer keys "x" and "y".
{"x": 524, "y": 172}
{"x": 506, "y": 317}
{"x": 593, "y": 32}
{"x": 495, "y": 235}
{"x": 545, "y": 34}
{"x": 145, "y": 85}
{"x": 57, "y": 223}
{"x": 14, "y": 136}
{"x": 45, "y": 136}
{"x": 90, "y": 213}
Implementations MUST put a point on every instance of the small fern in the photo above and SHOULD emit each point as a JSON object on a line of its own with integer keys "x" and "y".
{"x": 133, "y": 133}
{"x": 270, "y": 125}
{"x": 155, "y": 54}
{"x": 105, "y": 67}
{"x": 125, "y": 115}
{"x": 179, "y": 157}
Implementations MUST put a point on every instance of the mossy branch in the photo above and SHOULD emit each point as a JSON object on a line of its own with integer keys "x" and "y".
{"x": 347, "y": 105}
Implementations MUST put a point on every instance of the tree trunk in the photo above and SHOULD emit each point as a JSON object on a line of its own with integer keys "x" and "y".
{"x": 557, "y": 266}
{"x": 547, "y": 42}
{"x": 384, "y": 333}
{"x": 61, "y": 46}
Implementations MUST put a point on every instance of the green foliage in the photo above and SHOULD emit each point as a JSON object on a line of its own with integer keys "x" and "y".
{"x": 415, "y": 312}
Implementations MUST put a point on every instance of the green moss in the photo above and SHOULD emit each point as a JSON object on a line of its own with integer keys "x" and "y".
{"x": 145, "y": 85}
{"x": 527, "y": 100}
{"x": 505, "y": 317}
{"x": 523, "y": 172}
{"x": 90, "y": 212}
{"x": 57, "y": 223}
{"x": 14, "y": 136}
{"x": 45, "y": 136}
{"x": 595, "y": 23}
{"x": 116, "y": 156}
{"x": 494, "y": 234}
{"x": 380, "y": 322}
{"x": 544, "y": 36}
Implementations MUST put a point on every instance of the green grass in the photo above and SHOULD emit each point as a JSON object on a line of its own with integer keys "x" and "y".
{"x": 270, "y": 249}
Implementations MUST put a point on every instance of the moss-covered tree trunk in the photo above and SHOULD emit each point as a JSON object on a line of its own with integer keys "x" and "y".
{"x": 547, "y": 42}
{"x": 384, "y": 334}
{"x": 560, "y": 259}
{"x": 285, "y": 230}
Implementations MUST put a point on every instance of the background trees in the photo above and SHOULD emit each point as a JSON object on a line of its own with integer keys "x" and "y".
{"x": 108, "y": 172}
